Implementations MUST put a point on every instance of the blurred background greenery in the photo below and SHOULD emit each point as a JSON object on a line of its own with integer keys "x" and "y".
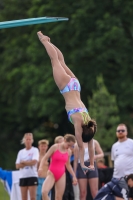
{"x": 97, "y": 43}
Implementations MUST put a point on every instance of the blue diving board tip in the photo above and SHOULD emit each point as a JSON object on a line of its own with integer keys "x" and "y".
{"x": 30, "y": 21}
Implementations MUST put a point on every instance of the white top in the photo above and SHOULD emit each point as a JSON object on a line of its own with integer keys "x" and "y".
{"x": 27, "y": 155}
{"x": 86, "y": 155}
{"x": 122, "y": 155}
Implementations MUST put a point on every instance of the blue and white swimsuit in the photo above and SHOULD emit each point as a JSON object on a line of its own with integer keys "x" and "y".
{"x": 75, "y": 85}
{"x": 72, "y": 85}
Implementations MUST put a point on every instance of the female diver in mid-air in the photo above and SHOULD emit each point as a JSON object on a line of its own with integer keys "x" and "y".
{"x": 69, "y": 87}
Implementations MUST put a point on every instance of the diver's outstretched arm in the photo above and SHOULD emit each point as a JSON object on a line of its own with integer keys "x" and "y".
{"x": 91, "y": 153}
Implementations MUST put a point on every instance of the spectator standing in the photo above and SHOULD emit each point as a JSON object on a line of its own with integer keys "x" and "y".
{"x": 26, "y": 162}
{"x": 60, "y": 157}
{"x": 43, "y": 146}
{"x": 122, "y": 153}
{"x": 91, "y": 177}
{"x": 76, "y": 191}
{"x": 68, "y": 193}
{"x": 58, "y": 139}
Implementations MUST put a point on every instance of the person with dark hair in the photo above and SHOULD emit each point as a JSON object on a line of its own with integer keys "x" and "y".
{"x": 69, "y": 87}
{"x": 129, "y": 180}
{"x": 117, "y": 189}
{"x": 112, "y": 190}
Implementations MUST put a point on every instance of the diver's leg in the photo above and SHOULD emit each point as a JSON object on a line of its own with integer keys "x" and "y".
{"x": 60, "y": 76}
{"x": 62, "y": 61}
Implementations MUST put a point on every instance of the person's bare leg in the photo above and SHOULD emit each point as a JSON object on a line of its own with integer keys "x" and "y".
{"x": 83, "y": 188}
{"x": 93, "y": 183}
{"x": 47, "y": 186}
{"x": 60, "y": 187}
{"x": 32, "y": 190}
{"x": 62, "y": 61}
{"x": 24, "y": 192}
{"x": 60, "y": 76}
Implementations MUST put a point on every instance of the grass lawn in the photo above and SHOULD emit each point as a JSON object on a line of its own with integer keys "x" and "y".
{"x": 3, "y": 193}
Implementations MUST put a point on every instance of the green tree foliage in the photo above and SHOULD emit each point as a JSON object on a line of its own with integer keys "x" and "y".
{"x": 114, "y": 45}
{"x": 97, "y": 39}
{"x": 104, "y": 109}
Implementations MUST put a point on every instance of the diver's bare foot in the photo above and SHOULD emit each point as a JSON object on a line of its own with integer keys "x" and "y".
{"x": 42, "y": 37}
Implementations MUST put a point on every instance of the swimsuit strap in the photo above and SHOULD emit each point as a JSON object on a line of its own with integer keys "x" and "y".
{"x": 59, "y": 145}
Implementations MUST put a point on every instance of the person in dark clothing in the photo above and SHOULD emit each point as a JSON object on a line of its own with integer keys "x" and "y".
{"x": 105, "y": 175}
{"x": 117, "y": 189}
{"x": 129, "y": 180}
